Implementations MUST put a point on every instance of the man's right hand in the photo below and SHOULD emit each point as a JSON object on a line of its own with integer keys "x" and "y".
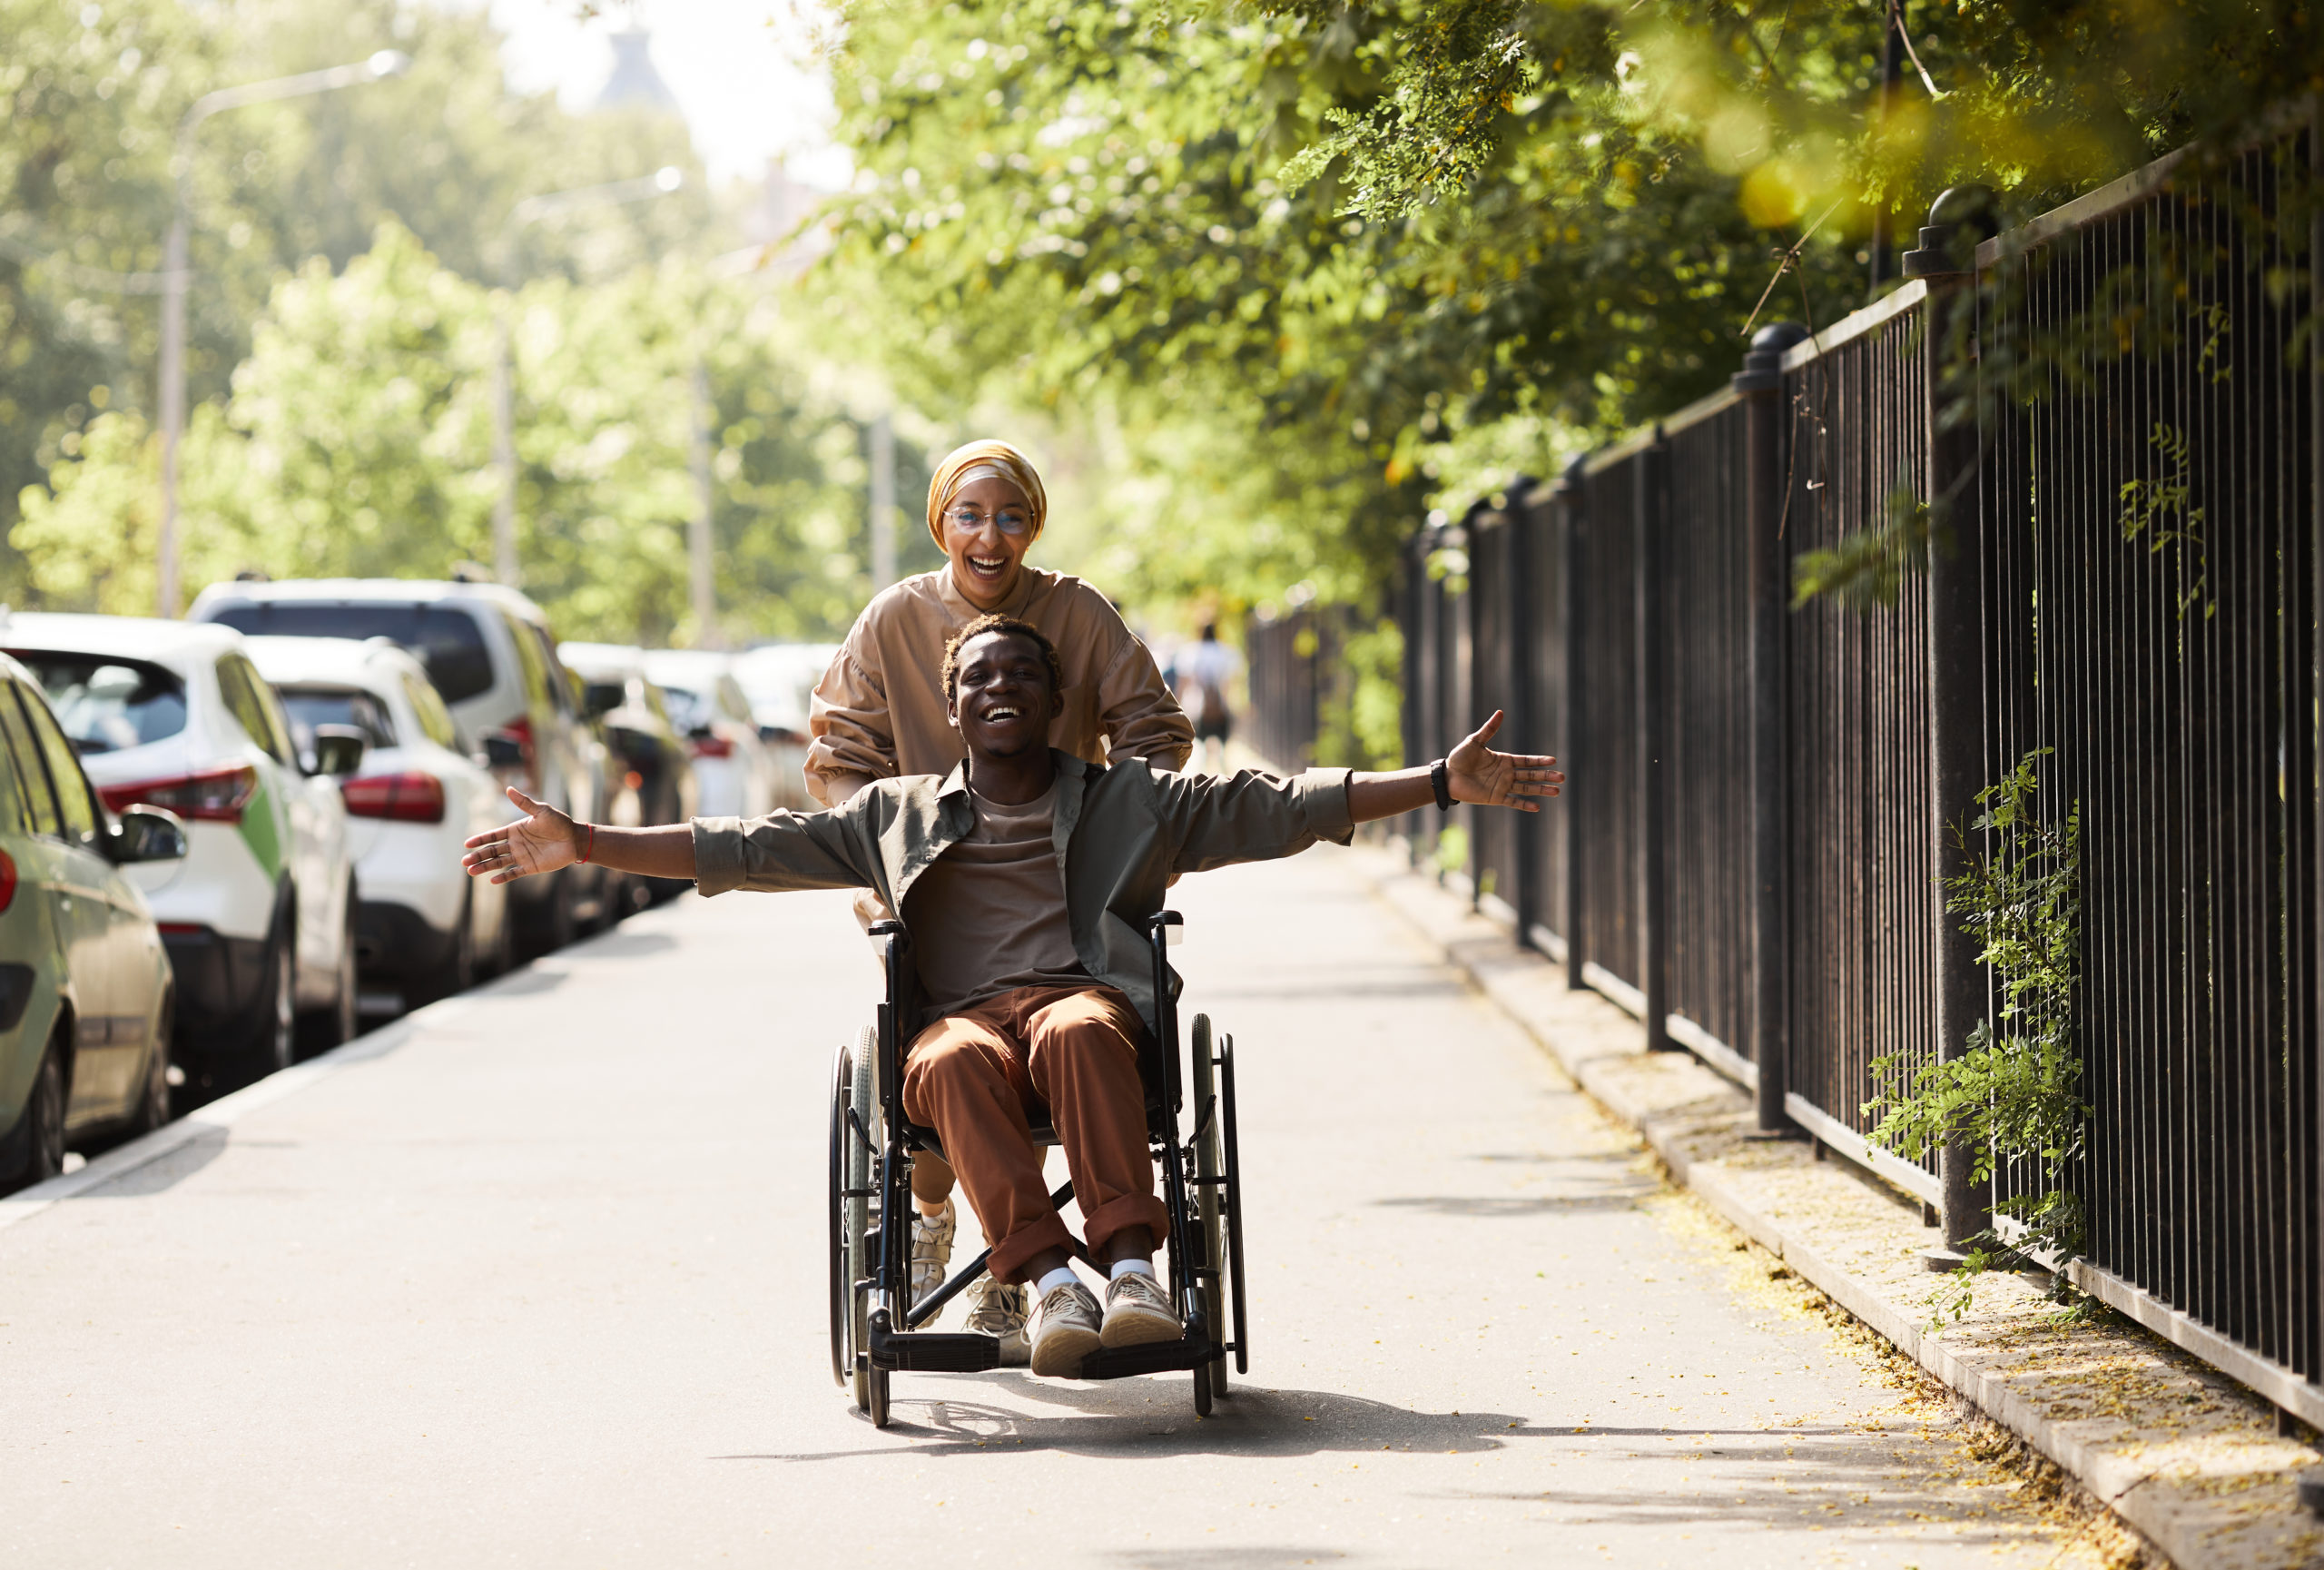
{"x": 542, "y": 841}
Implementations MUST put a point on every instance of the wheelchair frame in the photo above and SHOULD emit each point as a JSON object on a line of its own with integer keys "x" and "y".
{"x": 872, "y": 1145}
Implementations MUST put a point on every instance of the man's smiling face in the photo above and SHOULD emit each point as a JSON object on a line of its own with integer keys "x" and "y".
{"x": 1003, "y": 697}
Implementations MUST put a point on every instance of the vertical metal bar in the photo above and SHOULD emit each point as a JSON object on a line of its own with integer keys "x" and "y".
{"x": 1956, "y": 718}
{"x": 1651, "y": 524}
{"x": 1520, "y": 728}
{"x": 1768, "y": 574}
{"x": 1575, "y": 490}
{"x": 1408, "y": 716}
{"x": 2313, "y": 1285}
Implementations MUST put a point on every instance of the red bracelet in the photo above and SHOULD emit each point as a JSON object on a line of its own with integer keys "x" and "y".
{"x": 584, "y": 857}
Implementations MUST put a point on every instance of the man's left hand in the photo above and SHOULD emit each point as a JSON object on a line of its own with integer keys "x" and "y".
{"x": 1499, "y": 779}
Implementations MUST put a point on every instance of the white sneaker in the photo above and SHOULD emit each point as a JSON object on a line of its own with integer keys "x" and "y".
{"x": 998, "y": 1310}
{"x": 1137, "y": 1312}
{"x": 1063, "y": 1331}
{"x": 931, "y": 1248}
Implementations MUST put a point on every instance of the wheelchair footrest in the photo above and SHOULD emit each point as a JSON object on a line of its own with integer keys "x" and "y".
{"x": 935, "y": 1352}
{"x": 1153, "y": 1357}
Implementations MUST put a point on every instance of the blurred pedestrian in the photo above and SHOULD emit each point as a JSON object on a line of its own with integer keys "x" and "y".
{"x": 1201, "y": 674}
{"x": 880, "y": 712}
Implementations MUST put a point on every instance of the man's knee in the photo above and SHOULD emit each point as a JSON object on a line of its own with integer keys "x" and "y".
{"x": 944, "y": 1063}
{"x": 1084, "y": 1031}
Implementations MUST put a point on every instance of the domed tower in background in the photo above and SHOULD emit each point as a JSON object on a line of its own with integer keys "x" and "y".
{"x": 635, "y": 84}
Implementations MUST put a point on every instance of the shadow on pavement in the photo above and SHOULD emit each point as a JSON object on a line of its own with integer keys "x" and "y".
{"x": 1250, "y": 1557}
{"x": 1156, "y": 1418}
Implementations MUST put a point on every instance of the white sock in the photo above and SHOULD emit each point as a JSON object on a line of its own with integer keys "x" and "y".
{"x": 1131, "y": 1267}
{"x": 1062, "y": 1276}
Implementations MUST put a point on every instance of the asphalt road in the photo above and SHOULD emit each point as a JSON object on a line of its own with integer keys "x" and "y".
{"x": 538, "y": 1281}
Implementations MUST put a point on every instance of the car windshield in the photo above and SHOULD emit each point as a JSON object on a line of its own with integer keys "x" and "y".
{"x": 104, "y": 704}
{"x": 310, "y": 707}
{"x": 448, "y": 642}
{"x": 689, "y": 711}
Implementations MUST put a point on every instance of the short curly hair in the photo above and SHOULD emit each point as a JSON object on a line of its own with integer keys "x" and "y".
{"x": 1011, "y": 626}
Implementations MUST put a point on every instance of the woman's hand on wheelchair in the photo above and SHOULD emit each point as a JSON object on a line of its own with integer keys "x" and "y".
{"x": 542, "y": 841}
{"x": 1475, "y": 773}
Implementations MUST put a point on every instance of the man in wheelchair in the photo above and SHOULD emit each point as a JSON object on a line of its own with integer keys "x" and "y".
{"x": 1025, "y": 878}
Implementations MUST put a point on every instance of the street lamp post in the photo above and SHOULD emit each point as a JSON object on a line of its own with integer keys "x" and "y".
{"x": 532, "y": 210}
{"x": 386, "y": 63}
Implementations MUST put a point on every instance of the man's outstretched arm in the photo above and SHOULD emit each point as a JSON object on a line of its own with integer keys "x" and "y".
{"x": 544, "y": 839}
{"x": 1474, "y": 771}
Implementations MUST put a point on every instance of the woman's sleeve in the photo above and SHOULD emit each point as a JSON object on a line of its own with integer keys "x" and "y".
{"x": 854, "y": 740}
{"x": 1136, "y": 707}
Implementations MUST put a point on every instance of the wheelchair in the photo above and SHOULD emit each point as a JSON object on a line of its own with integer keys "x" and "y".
{"x": 875, "y": 1331}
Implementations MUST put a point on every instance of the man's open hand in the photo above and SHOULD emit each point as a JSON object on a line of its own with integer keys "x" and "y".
{"x": 1499, "y": 779}
{"x": 540, "y": 842}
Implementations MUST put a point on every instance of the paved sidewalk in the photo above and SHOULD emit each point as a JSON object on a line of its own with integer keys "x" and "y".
{"x": 541, "y": 1283}
{"x": 2185, "y": 1454}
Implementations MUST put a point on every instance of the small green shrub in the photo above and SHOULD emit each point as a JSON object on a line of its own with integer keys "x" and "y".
{"x": 2013, "y": 1097}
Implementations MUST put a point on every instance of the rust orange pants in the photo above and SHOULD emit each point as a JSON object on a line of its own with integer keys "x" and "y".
{"x": 978, "y": 1076}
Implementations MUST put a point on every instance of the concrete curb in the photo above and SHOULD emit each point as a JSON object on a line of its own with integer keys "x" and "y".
{"x": 2216, "y": 1491}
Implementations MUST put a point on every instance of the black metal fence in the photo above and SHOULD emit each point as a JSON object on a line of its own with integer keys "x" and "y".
{"x": 2123, "y": 571}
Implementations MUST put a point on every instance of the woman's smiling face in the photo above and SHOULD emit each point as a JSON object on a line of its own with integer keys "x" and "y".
{"x": 988, "y": 529}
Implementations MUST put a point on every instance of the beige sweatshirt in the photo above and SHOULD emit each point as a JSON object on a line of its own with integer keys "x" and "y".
{"x": 879, "y": 711}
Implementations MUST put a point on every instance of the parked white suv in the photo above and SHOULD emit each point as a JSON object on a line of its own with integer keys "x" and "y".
{"x": 259, "y": 918}
{"x": 733, "y": 769}
{"x": 423, "y": 928}
{"x": 487, "y": 649}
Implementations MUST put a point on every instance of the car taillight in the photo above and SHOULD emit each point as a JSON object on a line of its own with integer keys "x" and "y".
{"x": 520, "y": 731}
{"x": 216, "y": 796}
{"x": 712, "y": 747}
{"x": 8, "y": 879}
{"x": 412, "y": 797}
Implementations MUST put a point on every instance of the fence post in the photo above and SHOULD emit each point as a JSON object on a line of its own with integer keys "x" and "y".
{"x": 1946, "y": 259}
{"x": 1767, "y": 440}
{"x": 1651, "y": 526}
{"x": 1412, "y": 718}
{"x": 1461, "y": 702}
{"x": 1518, "y": 624}
{"x": 1573, "y": 488}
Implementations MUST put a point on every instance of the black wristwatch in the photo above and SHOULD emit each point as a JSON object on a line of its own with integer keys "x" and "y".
{"x": 1439, "y": 780}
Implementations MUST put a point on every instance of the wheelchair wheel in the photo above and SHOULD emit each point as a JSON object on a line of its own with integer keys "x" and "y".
{"x": 864, "y": 1132}
{"x": 1210, "y": 1204}
{"x": 842, "y": 1287}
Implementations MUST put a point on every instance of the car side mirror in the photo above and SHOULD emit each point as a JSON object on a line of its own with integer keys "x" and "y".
{"x": 339, "y": 750}
{"x": 144, "y": 834}
{"x": 600, "y": 698}
{"x": 502, "y": 751}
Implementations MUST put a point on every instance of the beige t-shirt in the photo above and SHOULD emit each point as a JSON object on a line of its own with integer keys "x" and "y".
{"x": 989, "y": 914}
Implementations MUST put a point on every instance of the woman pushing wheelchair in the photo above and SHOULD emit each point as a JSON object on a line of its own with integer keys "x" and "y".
{"x": 1024, "y": 878}
{"x": 878, "y": 713}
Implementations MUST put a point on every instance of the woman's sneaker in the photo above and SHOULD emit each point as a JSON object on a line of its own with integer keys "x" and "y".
{"x": 931, "y": 1248}
{"x": 998, "y": 1310}
{"x": 1063, "y": 1330}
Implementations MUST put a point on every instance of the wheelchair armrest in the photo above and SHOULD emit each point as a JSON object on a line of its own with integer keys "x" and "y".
{"x": 884, "y": 928}
{"x": 1157, "y": 923}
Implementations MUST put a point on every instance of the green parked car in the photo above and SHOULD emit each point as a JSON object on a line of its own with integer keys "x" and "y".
{"x": 84, "y": 985}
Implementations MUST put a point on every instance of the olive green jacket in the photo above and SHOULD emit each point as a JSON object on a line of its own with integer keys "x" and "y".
{"x": 1121, "y": 834}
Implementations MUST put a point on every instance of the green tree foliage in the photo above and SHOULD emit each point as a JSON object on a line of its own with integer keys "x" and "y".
{"x": 1316, "y": 250}
{"x": 94, "y": 93}
{"x": 358, "y": 442}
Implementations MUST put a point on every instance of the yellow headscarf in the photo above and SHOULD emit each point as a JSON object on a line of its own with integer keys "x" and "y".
{"x": 995, "y": 456}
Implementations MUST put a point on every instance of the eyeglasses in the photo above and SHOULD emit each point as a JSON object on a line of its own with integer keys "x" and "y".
{"x": 968, "y": 520}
